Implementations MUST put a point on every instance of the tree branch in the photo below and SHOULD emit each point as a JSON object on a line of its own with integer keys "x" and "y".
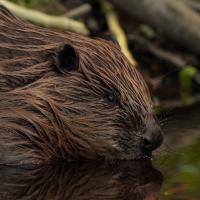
{"x": 44, "y": 19}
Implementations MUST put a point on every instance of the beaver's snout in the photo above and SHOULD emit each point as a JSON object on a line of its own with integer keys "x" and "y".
{"x": 152, "y": 139}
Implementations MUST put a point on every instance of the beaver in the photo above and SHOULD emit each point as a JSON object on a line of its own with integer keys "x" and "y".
{"x": 67, "y": 96}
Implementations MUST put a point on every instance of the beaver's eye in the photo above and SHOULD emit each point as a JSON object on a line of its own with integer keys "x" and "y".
{"x": 111, "y": 98}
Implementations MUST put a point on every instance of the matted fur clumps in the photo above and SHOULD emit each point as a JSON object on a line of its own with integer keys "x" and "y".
{"x": 46, "y": 115}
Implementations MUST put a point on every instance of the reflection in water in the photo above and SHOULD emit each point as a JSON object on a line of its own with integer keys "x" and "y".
{"x": 125, "y": 180}
{"x": 181, "y": 164}
{"x": 181, "y": 170}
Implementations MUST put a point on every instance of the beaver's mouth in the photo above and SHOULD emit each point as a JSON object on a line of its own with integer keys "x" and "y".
{"x": 146, "y": 154}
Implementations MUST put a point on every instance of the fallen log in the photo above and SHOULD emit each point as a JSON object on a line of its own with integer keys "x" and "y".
{"x": 173, "y": 18}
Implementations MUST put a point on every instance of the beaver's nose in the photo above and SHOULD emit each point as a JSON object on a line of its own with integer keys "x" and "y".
{"x": 152, "y": 139}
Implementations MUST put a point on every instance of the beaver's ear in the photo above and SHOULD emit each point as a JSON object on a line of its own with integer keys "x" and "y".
{"x": 67, "y": 58}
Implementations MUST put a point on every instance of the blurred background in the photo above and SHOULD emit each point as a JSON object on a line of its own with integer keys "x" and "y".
{"x": 162, "y": 39}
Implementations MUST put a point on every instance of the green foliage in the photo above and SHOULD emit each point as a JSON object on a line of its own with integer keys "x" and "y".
{"x": 181, "y": 170}
{"x": 147, "y": 31}
{"x": 185, "y": 78}
{"x": 48, "y": 6}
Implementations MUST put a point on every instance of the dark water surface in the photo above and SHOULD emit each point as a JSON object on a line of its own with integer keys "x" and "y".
{"x": 95, "y": 181}
{"x": 174, "y": 174}
{"x": 181, "y": 164}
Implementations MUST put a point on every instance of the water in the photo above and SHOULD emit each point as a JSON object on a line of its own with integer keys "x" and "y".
{"x": 181, "y": 171}
{"x": 95, "y": 181}
{"x": 174, "y": 174}
{"x": 181, "y": 164}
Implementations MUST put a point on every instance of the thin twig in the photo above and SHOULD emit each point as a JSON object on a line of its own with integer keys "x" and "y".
{"x": 79, "y": 11}
{"x": 158, "y": 52}
{"x": 162, "y": 54}
{"x": 116, "y": 30}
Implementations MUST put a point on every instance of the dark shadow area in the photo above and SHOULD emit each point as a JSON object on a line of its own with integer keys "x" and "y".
{"x": 77, "y": 181}
{"x": 182, "y": 125}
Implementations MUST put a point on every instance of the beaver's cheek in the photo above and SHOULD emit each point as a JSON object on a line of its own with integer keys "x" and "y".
{"x": 127, "y": 147}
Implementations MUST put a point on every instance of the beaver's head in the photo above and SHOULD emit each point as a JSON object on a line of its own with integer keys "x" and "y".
{"x": 69, "y": 95}
{"x": 106, "y": 108}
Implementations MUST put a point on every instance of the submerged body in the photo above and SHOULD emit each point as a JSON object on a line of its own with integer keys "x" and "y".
{"x": 63, "y": 95}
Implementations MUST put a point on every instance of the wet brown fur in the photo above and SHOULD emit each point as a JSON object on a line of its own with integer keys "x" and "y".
{"x": 45, "y": 115}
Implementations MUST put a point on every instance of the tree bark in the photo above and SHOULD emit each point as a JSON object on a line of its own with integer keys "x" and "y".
{"x": 171, "y": 17}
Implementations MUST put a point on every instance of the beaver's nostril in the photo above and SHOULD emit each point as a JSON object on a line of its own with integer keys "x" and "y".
{"x": 152, "y": 139}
